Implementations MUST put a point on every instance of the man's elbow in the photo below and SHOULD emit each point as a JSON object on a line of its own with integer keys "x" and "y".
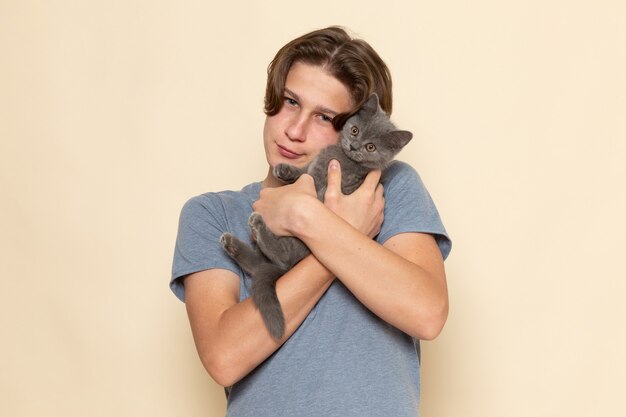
{"x": 433, "y": 325}
{"x": 221, "y": 369}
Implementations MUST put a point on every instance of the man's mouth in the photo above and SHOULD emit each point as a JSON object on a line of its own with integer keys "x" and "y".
{"x": 288, "y": 153}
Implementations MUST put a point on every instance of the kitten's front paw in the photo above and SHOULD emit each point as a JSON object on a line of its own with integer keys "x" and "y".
{"x": 286, "y": 173}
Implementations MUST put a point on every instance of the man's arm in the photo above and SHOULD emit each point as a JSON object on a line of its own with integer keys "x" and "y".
{"x": 402, "y": 281}
{"x": 230, "y": 336}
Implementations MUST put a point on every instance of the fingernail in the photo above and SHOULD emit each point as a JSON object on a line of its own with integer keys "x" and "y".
{"x": 333, "y": 164}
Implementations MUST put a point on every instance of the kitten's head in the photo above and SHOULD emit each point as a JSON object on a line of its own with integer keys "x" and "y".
{"x": 370, "y": 138}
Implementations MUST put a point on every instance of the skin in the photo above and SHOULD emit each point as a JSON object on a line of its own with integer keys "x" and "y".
{"x": 230, "y": 336}
{"x": 303, "y": 127}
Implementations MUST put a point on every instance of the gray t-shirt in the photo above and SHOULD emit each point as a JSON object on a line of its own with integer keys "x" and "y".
{"x": 343, "y": 360}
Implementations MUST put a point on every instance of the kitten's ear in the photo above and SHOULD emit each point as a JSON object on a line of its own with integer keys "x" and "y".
{"x": 371, "y": 105}
{"x": 399, "y": 138}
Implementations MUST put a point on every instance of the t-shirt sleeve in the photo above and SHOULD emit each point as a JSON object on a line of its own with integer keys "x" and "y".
{"x": 202, "y": 221}
{"x": 410, "y": 208}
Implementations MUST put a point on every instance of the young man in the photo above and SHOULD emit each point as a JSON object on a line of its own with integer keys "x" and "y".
{"x": 355, "y": 308}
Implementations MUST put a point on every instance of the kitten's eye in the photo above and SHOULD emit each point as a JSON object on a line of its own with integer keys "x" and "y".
{"x": 370, "y": 147}
{"x": 355, "y": 130}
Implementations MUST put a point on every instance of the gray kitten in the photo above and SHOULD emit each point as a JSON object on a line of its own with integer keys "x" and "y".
{"x": 368, "y": 141}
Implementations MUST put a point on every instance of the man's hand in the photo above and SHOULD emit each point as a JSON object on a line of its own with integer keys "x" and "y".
{"x": 280, "y": 206}
{"x": 364, "y": 208}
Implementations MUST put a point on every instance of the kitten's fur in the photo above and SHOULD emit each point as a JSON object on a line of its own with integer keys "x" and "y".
{"x": 368, "y": 141}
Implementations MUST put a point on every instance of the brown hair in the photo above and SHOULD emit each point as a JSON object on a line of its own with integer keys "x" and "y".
{"x": 352, "y": 61}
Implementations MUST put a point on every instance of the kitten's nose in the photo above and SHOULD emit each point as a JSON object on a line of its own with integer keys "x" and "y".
{"x": 354, "y": 146}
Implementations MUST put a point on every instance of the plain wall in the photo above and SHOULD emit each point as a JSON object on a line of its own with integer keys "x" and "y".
{"x": 114, "y": 113}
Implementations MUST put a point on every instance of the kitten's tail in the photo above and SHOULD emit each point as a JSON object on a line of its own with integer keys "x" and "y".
{"x": 266, "y": 300}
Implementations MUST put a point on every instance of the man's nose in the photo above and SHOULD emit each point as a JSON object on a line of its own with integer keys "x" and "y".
{"x": 296, "y": 129}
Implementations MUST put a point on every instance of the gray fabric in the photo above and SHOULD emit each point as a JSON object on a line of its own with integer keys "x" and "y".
{"x": 343, "y": 360}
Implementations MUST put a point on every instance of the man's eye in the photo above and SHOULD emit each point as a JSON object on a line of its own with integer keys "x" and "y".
{"x": 326, "y": 118}
{"x": 291, "y": 101}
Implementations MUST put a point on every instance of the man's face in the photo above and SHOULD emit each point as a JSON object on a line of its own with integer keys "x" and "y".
{"x": 303, "y": 126}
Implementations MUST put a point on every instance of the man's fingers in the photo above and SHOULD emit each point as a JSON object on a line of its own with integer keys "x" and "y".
{"x": 334, "y": 176}
{"x": 305, "y": 179}
{"x": 380, "y": 190}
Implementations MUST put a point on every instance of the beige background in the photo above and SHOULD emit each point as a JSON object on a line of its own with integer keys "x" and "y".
{"x": 114, "y": 113}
